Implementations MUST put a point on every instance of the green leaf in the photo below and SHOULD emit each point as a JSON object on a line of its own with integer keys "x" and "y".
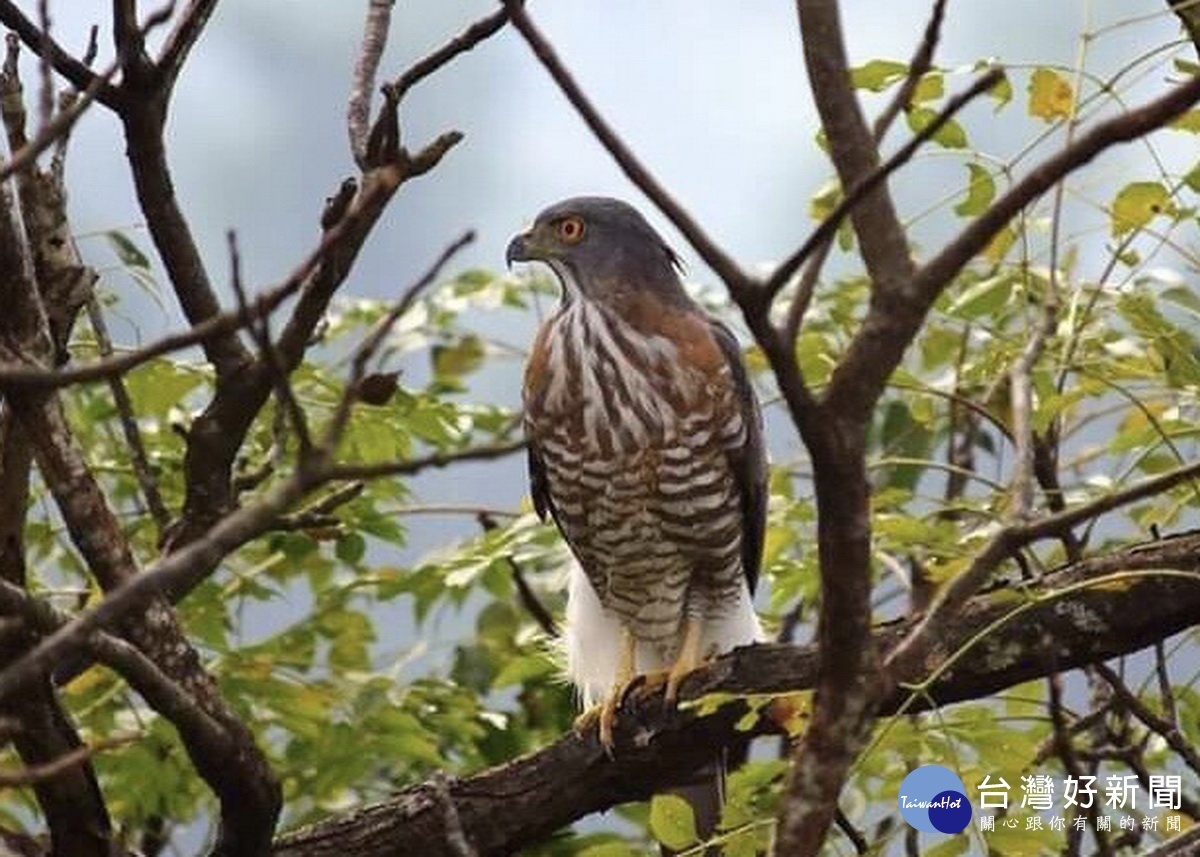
{"x": 160, "y": 385}
{"x": 877, "y": 75}
{"x": 1136, "y": 204}
{"x": 608, "y": 849}
{"x": 952, "y": 847}
{"x": 1188, "y": 121}
{"x": 1174, "y": 345}
{"x": 1051, "y": 95}
{"x": 1186, "y": 66}
{"x": 982, "y": 298}
{"x": 930, "y": 87}
{"x": 950, "y": 136}
{"x": 462, "y": 358}
{"x": 981, "y": 190}
{"x": 1001, "y": 93}
{"x": 1192, "y": 179}
{"x": 672, "y": 822}
{"x": 822, "y": 203}
{"x": 129, "y": 253}
{"x": 350, "y": 548}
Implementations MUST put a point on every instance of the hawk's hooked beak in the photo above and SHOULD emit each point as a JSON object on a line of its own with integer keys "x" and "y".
{"x": 516, "y": 251}
{"x": 523, "y": 248}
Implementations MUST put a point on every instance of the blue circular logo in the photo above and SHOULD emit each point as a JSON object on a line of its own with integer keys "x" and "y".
{"x": 934, "y": 800}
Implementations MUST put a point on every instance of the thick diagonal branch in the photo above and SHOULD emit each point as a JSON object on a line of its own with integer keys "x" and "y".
{"x": 522, "y": 803}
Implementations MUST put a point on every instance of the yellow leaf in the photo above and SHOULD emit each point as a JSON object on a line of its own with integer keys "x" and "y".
{"x": 1051, "y": 96}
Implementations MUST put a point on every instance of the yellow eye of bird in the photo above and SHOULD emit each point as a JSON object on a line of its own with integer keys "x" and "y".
{"x": 570, "y": 229}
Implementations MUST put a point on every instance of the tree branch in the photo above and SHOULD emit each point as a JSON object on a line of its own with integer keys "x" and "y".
{"x": 22, "y": 375}
{"x": 374, "y": 41}
{"x": 481, "y": 30}
{"x": 34, "y": 774}
{"x": 735, "y": 279}
{"x": 851, "y": 144}
{"x": 829, "y": 226}
{"x": 1004, "y": 544}
{"x": 888, "y": 329}
{"x": 80, "y": 76}
{"x": 918, "y": 66}
{"x": 515, "y": 805}
{"x": 182, "y": 39}
{"x": 142, "y": 470}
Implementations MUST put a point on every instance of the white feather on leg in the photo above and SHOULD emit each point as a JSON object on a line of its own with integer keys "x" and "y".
{"x": 592, "y": 638}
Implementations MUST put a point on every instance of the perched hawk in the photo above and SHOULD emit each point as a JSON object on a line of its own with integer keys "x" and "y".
{"x": 645, "y": 446}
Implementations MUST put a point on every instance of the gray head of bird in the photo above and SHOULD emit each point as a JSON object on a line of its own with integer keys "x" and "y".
{"x": 600, "y": 249}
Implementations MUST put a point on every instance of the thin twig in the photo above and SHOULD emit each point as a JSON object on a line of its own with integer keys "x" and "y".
{"x": 1006, "y": 542}
{"x": 18, "y": 374}
{"x": 1162, "y": 727}
{"x": 142, "y": 470}
{"x": 366, "y": 350}
{"x": 410, "y": 466}
{"x": 46, "y": 93}
{"x": 872, "y": 180}
{"x": 58, "y": 127}
{"x": 182, "y": 39}
{"x": 1021, "y": 392}
{"x": 470, "y": 37}
{"x": 918, "y": 66}
{"x": 735, "y": 279}
{"x": 374, "y": 41}
{"x": 320, "y": 513}
{"x": 1165, "y": 690}
{"x": 80, "y": 76}
{"x": 455, "y": 836}
{"x": 260, "y": 330}
{"x": 49, "y": 770}
{"x": 528, "y": 597}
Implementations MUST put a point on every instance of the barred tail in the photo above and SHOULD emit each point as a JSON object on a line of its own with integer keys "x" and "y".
{"x": 705, "y": 791}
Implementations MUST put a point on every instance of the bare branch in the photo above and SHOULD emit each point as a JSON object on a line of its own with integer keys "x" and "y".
{"x": 374, "y": 41}
{"x": 144, "y": 116}
{"x": 366, "y": 350}
{"x": 851, "y": 145}
{"x": 268, "y": 354}
{"x": 147, "y": 481}
{"x": 49, "y": 770}
{"x": 482, "y": 29}
{"x": 921, "y": 62}
{"x": 1021, "y": 386}
{"x": 1162, "y": 727}
{"x": 80, "y": 76}
{"x": 522, "y": 802}
{"x": 55, "y": 133}
{"x": 1007, "y": 542}
{"x": 825, "y": 231}
{"x": 182, "y": 39}
{"x": 20, "y": 375}
{"x": 887, "y": 331}
{"x": 735, "y": 279}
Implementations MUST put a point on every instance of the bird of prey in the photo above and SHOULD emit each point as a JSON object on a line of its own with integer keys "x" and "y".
{"x": 645, "y": 447}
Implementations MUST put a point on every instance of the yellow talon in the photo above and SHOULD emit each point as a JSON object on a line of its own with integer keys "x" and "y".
{"x": 687, "y": 661}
